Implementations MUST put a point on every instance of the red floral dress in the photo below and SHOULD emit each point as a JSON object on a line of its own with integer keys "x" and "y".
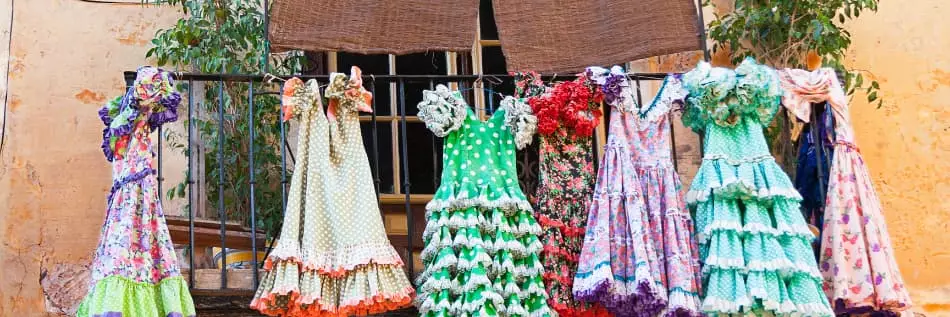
{"x": 567, "y": 115}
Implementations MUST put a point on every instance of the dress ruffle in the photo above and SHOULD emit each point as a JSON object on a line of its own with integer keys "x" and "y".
{"x": 288, "y": 288}
{"x": 442, "y": 110}
{"x": 117, "y": 296}
{"x": 722, "y": 96}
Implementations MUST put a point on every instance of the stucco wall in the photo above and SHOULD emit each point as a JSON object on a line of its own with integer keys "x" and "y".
{"x": 67, "y": 58}
{"x": 906, "y": 144}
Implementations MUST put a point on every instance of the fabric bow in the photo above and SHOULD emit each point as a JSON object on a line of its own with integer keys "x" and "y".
{"x": 348, "y": 94}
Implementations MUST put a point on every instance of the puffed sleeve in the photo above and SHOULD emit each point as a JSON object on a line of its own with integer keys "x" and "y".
{"x": 441, "y": 111}
{"x": 297, "y": 97}
{"x": 759, "y": 91}
{"x": 520, "y": 120}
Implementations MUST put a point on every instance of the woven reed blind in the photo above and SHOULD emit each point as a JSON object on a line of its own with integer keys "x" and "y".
{"x": 374, "y": 26}
{"x": 567, "y": 36}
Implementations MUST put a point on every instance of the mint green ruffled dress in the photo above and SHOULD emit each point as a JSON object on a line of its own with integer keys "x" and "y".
{"x": 481, "y": 250}
{"x": 754, "y": 244}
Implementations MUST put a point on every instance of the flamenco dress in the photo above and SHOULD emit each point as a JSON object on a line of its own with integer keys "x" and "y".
{"x": 754, "y": 243}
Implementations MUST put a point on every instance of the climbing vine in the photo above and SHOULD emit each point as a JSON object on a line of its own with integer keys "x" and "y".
{"x": 793, "y": 34}
{"x": 227, "y": 36}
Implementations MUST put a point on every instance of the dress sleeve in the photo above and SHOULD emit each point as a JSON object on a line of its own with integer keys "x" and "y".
{"x": 155, "y": 94}
{"x": 441, "y": 111}
{"x": 297, "y": 97}
{"x": 520, "y": 120}
{"x": 703, "y": 93}
{"x": 759, "y": 91}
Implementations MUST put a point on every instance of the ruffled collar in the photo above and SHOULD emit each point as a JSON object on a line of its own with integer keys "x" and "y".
{"x": 153, "y": 93}
{"x": 723, "y": 96}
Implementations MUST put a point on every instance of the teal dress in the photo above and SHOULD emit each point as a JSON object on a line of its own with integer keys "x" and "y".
{"x": 481, "y": 250}
{"x": 754, "y": 244}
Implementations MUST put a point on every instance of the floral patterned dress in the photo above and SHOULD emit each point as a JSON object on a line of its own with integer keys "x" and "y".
{"x": 333, "y": 257}
{"x": 754, "y": 244}
{"x": 857, "y": 259}
{"x": 566, "y": 183}
{"x": 481, "y": 251}
{"x": 652, "y": 257}
{"x": 135, "y": 271}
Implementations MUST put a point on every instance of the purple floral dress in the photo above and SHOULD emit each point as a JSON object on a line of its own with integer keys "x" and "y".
{"x": 135, "y": 271}
{"x": 639, "y": 256}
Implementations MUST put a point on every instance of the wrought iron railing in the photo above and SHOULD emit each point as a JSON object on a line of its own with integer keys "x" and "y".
{"x": 372, "y": 81}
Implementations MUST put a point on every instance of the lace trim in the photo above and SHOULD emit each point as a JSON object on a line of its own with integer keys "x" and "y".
{"x": 506, "y": 204}
{"x": 732, "y": 184}
{"x": 735, "y": 162}
{"x": 341, "y": 260}
{"x": 753, "y": 228}
{"x": 520, "y": 120}
{"x": 713, "y": 304}
{"x": 442, "y": 111}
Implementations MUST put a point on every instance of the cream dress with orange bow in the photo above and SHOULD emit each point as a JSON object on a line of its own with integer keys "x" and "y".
{"x": 333, "y": 257}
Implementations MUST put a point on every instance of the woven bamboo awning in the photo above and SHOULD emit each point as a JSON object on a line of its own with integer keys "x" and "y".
{"x": 539, "y": 35}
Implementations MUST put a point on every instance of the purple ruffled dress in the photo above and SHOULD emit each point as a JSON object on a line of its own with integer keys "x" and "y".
{"x": 639, "y": 256}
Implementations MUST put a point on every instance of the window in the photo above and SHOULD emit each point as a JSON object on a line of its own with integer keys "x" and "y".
{"x": 423, "y": 149}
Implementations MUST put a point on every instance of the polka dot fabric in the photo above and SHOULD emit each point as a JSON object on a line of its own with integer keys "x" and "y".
{"x": 333, "y": 257}
{"x": 482, "y": 249}
{"x": 754, "y": 244}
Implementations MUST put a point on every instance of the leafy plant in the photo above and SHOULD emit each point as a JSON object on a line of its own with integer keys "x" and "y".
{"x": 794, "y": 34}
{"x": 227, "y": 36}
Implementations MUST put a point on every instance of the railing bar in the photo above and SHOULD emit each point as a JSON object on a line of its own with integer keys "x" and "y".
{"x": 491, "y": 99}
{"x": 676, "y": 164}
{"x": 406, "y": 186}
{"x": 252, "y": 182}
{"x": 159, "y": 155}
{"x": 390, "y": 78}
{"x": 435, "y": 152}
{"x": 191, "y": 182}
{"x": 375, "y": 134}
{"x": 221, "y": 212}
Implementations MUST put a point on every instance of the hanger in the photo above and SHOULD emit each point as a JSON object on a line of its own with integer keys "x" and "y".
{"x": 270, "y": 78}
{"x": 479, "y": 84}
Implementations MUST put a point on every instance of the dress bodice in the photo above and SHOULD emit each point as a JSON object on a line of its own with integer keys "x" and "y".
{"x": 732, "y": 107}
{"x": 138, "y": 158}
{"x": 478, "y": 159}
{"x": 480, "y": 153}
{"x": 643, "y": 130}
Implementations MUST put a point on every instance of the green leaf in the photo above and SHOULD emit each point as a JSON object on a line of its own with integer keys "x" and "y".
{"x": 872, "y": 97}
{"x": 859, "y": 81}
{"x": 875, "y": 85}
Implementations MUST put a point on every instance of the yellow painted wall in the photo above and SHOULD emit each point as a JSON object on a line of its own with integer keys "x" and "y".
{"x": 906, "y": 144}
{"x": 67, "y": 58}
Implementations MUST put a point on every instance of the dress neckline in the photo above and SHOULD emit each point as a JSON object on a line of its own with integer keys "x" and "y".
{"x": 471, "y": 112}
{"x": 642, "y": 112}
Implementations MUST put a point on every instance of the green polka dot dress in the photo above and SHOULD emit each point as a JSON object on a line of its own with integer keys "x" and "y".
{"x": 754, "y": 244}
{"x": 481, "y": 250}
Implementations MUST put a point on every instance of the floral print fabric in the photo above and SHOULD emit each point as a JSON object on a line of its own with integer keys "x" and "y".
{"x": 135, "y": 271}
{"x": 333, "y": 257}
{"x": 563, "y": 196}
{"x": 857, "y": 259}
{"x": 754, "y": 244}
{"x": 649, "y": 266}
{"x": 482, "y": 249}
